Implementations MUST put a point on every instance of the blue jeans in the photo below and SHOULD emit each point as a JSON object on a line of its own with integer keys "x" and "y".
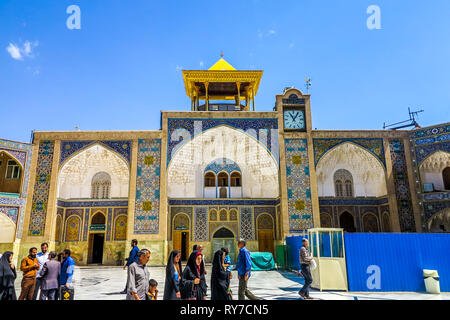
{"x": 308, "y": 279}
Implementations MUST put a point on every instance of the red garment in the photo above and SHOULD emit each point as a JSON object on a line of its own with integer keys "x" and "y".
{"x": 198, "y": 266}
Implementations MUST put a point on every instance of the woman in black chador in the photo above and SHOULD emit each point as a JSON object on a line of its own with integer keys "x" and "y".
{"x": 7, "y": 277}
{"x": 173, "y": 277}
{"x": 219, "y": 278}
{"x": 193, "y": 284}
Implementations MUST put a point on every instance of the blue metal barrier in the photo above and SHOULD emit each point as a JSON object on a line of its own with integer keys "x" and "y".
{"x": 394, "y": 261}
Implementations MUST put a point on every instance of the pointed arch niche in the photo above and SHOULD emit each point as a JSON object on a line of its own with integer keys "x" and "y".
{"x": 435, "y": 169}
{"x": 369, "y": 178}
{"x": 189, "y": 164}
{"x": 77, "y": 173}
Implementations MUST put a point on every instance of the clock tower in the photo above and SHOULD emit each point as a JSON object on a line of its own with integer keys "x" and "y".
{"x": 294, "y": 107}
{"x": 298, "y": 185}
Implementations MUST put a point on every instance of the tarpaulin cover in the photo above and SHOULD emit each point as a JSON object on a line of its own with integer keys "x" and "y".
{"x": 262, "y": 261}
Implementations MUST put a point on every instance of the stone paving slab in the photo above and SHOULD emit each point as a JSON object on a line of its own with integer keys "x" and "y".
{"x": 105, "y": 283}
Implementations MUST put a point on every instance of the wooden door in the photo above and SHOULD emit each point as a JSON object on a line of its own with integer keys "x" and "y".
{"x": 181, "y": 243}
{"x": 177, "y": 240}
{"x": 265, "y": 240}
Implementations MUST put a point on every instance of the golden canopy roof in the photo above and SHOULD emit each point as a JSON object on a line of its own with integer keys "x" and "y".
{"x": 223, "y": 82}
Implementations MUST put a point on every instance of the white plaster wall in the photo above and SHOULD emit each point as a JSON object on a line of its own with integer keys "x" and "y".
{"x": 76, "y": 175}
{"x": 259, "y": 169}
{"x": 368, "y": 173}
{"x": 431, "y": 169}
{"x": 8, "y": 229}
{"x": 210, "y": 192}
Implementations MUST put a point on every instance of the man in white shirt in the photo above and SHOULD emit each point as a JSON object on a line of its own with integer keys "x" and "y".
{"x": 42, "y": 258}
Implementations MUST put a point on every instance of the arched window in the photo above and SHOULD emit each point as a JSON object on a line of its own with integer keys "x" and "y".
{"x": 348, "y": 188}
{"x": 338, "y": 186}
{"x": 343, "y": 182}
{"x": 233, "y": 215}
{"x": 446, "y": 178}
{"x": 236, "y": 179}
{"x": 223, "y": 215}
{"x": 370, "y": 223}
{"x": 325, "y": 220}
{"x": 101, "y": 186}
{"x": 222, "y": 179}
{"x": 213, "y": 215}
{"x": 210, "y": 179}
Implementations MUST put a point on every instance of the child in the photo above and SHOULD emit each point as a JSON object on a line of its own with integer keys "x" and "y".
{"x": 152, "y": 291}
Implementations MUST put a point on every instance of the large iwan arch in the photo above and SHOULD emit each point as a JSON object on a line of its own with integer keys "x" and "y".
{"x": 369, "y": 178}
{"x": 259, "y": 167}
{"x": 75, "y": 176}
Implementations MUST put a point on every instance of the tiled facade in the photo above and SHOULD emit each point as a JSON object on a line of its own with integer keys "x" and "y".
{"x": 147, "y": 187}
{"x": 145, "y": 211}
{"x": 298, "y": 185}
{"x": 425, "y": 142}
{"x": 41, "y": 188}
{"x": 402, "y": 189}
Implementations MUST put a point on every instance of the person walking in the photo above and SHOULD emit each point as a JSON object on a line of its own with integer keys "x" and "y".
{"x": 66, "y": 275}
{"x": 244, "y": 267}
{"x": 139, "y": 277}
{"x": 49, "y": 277}
{"x": 173, "y": 277}
{"x": 305, "y": 263}
{"x": 193, "y": 283}
{"x": 219, "y": 277}
{"x": 29, "y": 266}
{"x": 42, "y": 259}
{"x": 7, "y": 276}
{"x": 132, "y": 257}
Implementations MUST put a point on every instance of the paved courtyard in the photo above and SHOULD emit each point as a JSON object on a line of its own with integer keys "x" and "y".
{"x": 105, "y": 283}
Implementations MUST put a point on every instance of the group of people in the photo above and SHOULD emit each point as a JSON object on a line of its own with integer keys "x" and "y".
{"x": 52, "y": 274}
{"x": 45, "y": 274}
{"x": 188, "y": 283}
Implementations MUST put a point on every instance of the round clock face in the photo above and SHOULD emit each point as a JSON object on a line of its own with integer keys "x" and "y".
{"x": 294, "y": 119}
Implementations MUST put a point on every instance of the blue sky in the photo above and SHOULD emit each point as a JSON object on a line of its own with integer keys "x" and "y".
{"x": 124, "y": 65}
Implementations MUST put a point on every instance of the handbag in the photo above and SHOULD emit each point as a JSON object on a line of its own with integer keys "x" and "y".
{"x": 313, "y": 264}
{"x": 67, "y": 293}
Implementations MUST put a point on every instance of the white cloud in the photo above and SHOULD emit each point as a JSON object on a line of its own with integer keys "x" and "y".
{"x": 272, "y": 32}
{"x": 291, "y": 45}
{"x": 14, "y": 51}
{"x": 18, "y": 53}
{"x": 201, "y": 63}
{"x": 179, "y": 68}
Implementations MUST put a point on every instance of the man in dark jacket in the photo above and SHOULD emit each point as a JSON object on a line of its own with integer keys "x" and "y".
{"x": 133, "y": 257}
{"x": 49, "y": 277}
